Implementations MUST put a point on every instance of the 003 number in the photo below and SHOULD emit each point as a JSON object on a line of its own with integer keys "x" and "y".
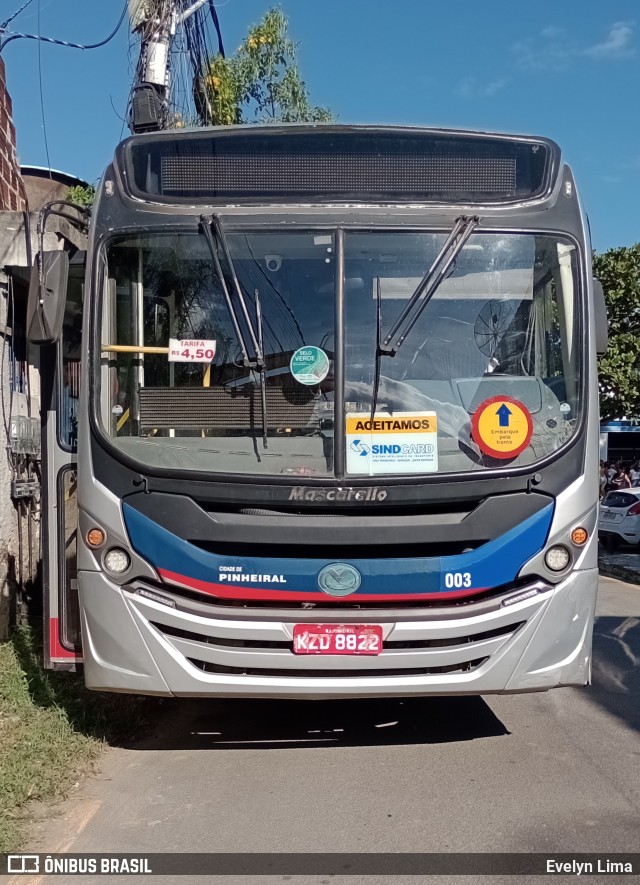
{"x": 457, "y": 580}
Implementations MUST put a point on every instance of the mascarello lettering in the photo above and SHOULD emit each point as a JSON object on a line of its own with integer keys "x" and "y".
{"x": 319, "y": 496}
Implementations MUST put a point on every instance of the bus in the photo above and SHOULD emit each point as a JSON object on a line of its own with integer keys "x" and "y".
{"x": 321, "y": 417}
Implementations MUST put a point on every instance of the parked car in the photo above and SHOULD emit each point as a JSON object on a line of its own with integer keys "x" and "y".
{"x": 619, "y": 518}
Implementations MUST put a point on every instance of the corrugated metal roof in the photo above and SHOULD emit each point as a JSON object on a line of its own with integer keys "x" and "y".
{"x": 54, "y": 174}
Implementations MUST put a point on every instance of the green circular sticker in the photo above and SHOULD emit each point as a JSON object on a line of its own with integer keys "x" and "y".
{"x": 309, "y": 365}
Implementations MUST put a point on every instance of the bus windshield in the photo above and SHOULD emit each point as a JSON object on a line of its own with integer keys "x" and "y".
{"x": 502, "y": 328}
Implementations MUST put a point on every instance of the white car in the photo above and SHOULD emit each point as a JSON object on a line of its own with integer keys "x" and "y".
{"x": 619, "y": 518}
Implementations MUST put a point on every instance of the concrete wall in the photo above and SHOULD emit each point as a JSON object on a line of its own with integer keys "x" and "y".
{"x": 8, "y": 520}
{"x": 10, "y": 199}
{"x": 45, "y": 185}
{"x": 43, "y": 190}
{"x": 19, "y": 520}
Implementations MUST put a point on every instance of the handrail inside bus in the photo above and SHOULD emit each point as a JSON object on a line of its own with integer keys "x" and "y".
{"x": 132, "y": 348}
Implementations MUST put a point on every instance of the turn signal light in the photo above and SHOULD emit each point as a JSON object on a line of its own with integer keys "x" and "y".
{"x": 95, "y": 537}
{"x": 579, "y": 536}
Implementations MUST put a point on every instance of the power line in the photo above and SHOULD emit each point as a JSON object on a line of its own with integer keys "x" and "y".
{"x": 216, "y": 24}
{"x": 170, "y": 83}
{"x": 44, "y": 122}
{"x": 66, "y": 43}
{"x": 15, "y": 15}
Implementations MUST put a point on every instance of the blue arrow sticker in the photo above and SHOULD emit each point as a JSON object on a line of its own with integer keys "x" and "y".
{"x": 503, "y": 413}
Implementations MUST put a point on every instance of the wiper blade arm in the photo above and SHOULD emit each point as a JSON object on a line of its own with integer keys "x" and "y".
{"x": 207, "y": 224}
{"x": 257, "y": 346}
{"x": 263, "y": 372}
{"x": 428, "y": 285}
{"x": 376, "y": 373}
{"x": 257, "y": 343}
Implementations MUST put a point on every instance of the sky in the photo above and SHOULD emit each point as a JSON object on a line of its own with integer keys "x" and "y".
{"x": 566, "y": 70}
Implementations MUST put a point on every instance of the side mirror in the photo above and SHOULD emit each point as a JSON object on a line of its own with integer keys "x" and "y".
{"x": 600, "y": 317}
{"x": 45, "y": 306}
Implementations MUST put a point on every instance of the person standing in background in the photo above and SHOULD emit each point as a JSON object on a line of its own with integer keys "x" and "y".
{"x": 604, "y": 479}
{"x": 621, "y": 479}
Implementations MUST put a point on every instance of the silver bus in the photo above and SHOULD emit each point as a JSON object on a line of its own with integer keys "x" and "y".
{"x": 333, "y": 393}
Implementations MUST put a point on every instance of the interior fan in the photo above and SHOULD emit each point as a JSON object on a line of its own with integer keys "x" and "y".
{"x": 491, "y": 324}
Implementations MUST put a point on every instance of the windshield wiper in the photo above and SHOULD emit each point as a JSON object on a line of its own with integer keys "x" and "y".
{"x": 421, "y": 296}
{"x": 207, "y": 224}
{"x": 256, "y": 362}
{"x": 429, "y": 283}
{"x": 262, "y": 370}
{"x": 376, "y": 376}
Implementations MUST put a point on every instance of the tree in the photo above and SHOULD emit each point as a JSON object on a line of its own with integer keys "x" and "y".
{"x": 261, "y": 82}
{"x": 619, "y": 272}
{"x": 81, "y": 196}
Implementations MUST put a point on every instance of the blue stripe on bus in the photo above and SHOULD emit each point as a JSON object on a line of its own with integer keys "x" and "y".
{"x": 493, "y": 564}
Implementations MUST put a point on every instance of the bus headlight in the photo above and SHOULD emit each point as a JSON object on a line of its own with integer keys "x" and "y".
{"x": 117, "y": 560}
{"x": 557, "y": 558}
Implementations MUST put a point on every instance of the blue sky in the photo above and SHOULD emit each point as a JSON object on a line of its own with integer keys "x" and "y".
{"x": 568, "y": 70}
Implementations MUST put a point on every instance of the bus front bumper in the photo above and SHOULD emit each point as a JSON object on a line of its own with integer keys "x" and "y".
{"x": 133, "y": 643}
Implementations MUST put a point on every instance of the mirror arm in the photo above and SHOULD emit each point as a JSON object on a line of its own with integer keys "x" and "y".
{"x": 600, "y": 317}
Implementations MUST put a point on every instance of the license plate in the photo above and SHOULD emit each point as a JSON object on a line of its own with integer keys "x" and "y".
{"x": 337, "y": 639}
{"x": 610, "y": 515}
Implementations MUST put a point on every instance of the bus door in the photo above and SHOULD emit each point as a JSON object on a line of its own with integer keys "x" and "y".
{"x": 60, "y": 381}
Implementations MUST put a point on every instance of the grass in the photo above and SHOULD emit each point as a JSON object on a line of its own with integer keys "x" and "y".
{"x": 51, "y": 731}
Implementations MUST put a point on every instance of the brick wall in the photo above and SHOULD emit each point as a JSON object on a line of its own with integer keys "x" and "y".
{"x": 10, "y": 190}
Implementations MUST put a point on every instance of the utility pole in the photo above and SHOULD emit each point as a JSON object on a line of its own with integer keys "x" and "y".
{"x": 156, "y": 22}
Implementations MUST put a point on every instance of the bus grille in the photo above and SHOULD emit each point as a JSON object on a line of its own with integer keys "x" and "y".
{"x": 270, "y": 657}
{"x": 178, "y": 632}
{"x": 208, "y": 667}
{"x": 323, "y": 602}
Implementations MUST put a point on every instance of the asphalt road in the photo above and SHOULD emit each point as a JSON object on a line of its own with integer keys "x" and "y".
{"x": 552, "y": 772}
